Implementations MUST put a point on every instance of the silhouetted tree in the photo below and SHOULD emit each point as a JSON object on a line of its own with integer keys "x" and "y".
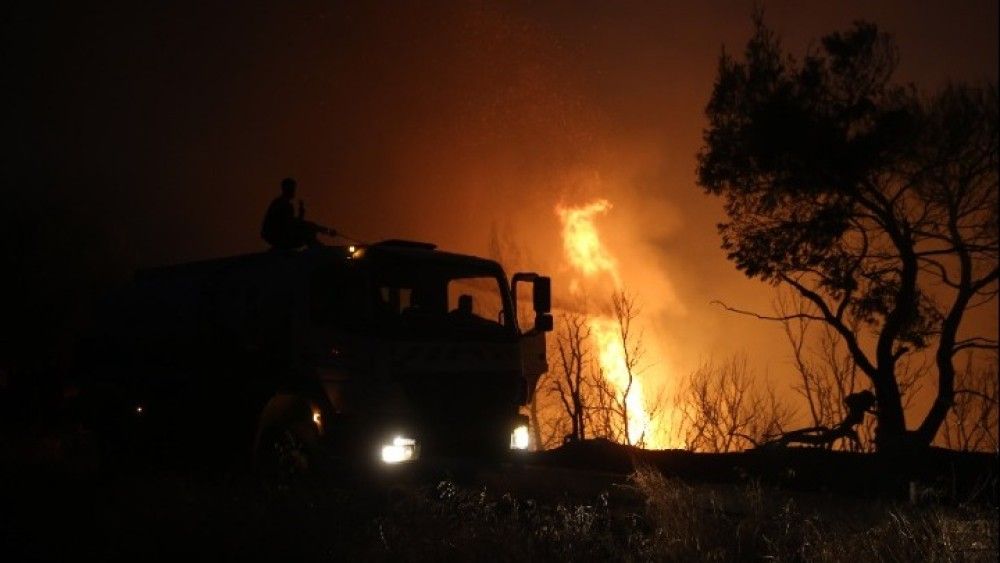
{"x": 611, "y": 402}
{"x": 972, "y": 423}
{"x": 625, "y": 311}
{"x": 722, "y": 409}
{"x": 590, "y": 405}
{"x": 569, "y": 377}
{"x": 827, "y": 371}
{"x": 876, "y": 204}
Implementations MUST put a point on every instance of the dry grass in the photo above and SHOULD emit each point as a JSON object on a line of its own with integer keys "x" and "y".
{"x": 658, "y": 519}
{"x": 650, "y": 518}
{"x": 729, "y": 524}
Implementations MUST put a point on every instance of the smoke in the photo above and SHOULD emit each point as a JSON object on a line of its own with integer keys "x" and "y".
{"x": 425, "y": 120}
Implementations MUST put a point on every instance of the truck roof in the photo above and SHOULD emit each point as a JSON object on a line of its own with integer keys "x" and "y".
{"x": 402, "y": 251}
{"x": 391, "y": 250}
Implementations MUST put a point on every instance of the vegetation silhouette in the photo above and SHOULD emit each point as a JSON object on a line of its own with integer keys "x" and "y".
{"x": 858, "y": 405}
{"x": 878, "y": 205}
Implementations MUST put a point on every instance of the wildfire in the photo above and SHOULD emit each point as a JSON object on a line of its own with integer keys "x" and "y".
{"x": 582, "y": 242}
{"x": 588, "y": 256}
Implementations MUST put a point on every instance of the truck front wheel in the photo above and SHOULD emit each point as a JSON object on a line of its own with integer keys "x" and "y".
{"x": 286, "y": 454}
{"x": 287, "y": 448}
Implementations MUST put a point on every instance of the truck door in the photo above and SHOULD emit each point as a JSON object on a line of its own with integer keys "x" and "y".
{"x": 532, "y": 341}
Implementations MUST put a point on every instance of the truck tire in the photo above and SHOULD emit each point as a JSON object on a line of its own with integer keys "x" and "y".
{"x": 287, "y": 454}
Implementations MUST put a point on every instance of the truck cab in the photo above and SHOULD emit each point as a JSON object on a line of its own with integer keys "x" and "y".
{"x": 384, "y": 354}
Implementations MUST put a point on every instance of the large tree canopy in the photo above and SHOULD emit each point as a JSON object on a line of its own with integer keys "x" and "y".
{"x": 875, "y": 202}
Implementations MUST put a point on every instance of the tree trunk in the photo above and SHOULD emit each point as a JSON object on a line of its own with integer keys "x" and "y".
{"x": 946, "y": 351}
{"x": 536, "y": 427}
{"x": 578, "y": 423}
{"x": 891, "y": 433}
{"x": 946, "y": 382}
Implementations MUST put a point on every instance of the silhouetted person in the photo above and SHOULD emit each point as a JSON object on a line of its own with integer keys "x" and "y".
{"x": 464, "y": 318}
{"x": 285, "y": 229}
{"x": 464, "y": 309}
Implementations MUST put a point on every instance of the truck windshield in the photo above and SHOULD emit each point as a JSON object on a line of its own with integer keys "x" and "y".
{"x": 431, "y": 303}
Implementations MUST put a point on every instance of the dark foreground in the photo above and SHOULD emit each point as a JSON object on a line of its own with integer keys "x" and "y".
{"x": 588, "y": 502}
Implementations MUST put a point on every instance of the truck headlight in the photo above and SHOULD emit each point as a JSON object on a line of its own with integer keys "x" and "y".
{"x": 399, "y": 450}
{"x": 520, "y": 438}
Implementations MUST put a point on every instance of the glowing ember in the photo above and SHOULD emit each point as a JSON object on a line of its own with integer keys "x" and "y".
{"x": 588, "y": 255}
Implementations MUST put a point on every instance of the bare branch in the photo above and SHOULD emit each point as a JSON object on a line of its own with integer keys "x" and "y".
{"x": 781, "y": 318}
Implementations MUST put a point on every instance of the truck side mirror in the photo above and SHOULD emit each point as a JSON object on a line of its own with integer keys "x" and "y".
{"x": 541, "y": 295}
{"x": 543, "y": 322}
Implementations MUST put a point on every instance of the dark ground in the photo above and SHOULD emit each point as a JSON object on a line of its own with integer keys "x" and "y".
{"x": 587, "y": 501}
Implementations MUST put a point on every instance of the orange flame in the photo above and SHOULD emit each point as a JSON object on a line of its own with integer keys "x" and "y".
{"x": 582, "y": 243}
{"x": 587, "y": 255}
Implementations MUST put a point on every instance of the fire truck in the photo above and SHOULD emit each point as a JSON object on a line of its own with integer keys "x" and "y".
{"x": 386, "y": 354}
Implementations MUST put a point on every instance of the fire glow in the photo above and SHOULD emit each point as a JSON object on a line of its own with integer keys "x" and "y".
{"x": 589, "y": 257}
{"x": 582, "y": 243}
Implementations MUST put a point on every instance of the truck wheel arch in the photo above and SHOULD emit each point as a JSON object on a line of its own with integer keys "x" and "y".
{"x": 286, "y": 409}
{"x": 287, "y": 416}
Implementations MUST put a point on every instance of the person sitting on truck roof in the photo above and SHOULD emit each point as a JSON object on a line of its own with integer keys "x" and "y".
{"x": 283, "y": 228}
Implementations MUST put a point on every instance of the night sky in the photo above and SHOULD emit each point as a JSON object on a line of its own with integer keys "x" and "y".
{"x": 148, "y": 135}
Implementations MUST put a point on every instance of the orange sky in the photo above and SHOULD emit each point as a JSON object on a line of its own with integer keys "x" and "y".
{"x": 170, "y": 128}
